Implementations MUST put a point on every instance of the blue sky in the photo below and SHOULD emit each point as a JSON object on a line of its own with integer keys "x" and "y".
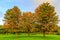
{"x": 25, "y": 5}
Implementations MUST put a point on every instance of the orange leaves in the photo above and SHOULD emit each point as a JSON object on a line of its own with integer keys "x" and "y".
{"x": 12, "y": 18}
{"x": 44, "y": 19}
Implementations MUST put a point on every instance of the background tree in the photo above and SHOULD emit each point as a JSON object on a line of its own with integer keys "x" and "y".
{"x": 12, "y": 19}
{"x": 28, "y": 22}
{"x": 46, "y": 17}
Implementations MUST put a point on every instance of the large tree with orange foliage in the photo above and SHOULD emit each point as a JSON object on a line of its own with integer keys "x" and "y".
{"x": 46, "y": 17}
{"x": 11, "y": 19}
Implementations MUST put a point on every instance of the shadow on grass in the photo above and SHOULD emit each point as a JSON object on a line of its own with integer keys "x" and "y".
{"x": 38, "y": 37}
{"x": 33, "y": 37}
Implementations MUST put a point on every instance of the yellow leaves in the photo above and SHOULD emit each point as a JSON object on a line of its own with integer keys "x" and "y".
{"x": 43, "y": 18}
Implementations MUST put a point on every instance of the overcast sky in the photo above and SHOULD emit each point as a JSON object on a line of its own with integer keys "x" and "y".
{"x": 26, "y": 5}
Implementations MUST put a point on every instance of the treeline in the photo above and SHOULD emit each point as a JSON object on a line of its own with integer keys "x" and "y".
{"x": 43, "y": 20}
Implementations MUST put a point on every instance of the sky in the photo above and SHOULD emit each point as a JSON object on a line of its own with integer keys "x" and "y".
{"x": 25, "y": 5}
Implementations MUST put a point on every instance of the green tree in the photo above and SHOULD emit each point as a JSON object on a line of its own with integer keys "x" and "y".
{"x": 12, "y": 18}
{"x": 46, "y": 17}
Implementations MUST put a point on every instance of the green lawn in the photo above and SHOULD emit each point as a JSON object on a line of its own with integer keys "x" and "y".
{"x": 32, "y": 37}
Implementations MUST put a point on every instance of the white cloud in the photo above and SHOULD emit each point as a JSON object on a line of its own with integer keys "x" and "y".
{"x": 42, "y": 1}
{"x": 58, "y": 24}
{"x": 38, "y": 2}
{"x": 1, "y": 14}
{"x": 1, "y": 21}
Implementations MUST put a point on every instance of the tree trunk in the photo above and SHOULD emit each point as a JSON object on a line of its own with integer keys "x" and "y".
{"x": 28, "y": 34}
{"x": 44, "y": 33}
{"x": 16, "y": 36}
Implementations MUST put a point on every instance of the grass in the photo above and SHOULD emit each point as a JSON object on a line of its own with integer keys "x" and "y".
{"x": 32, "y": 37}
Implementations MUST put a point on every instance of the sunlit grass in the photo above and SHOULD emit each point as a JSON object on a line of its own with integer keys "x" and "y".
{"x": 25, "y": 37}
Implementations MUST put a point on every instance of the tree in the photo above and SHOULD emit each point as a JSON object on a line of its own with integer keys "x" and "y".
{"x": 27, "y": 22}
{"x": 12, "y": 19}
{"x": 46, "y": 17}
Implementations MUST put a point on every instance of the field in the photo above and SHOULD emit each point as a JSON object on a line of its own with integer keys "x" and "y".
{"x": 32, "y": 37}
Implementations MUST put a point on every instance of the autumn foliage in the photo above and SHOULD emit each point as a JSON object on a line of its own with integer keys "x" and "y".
{"x": 43, "y": 20}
